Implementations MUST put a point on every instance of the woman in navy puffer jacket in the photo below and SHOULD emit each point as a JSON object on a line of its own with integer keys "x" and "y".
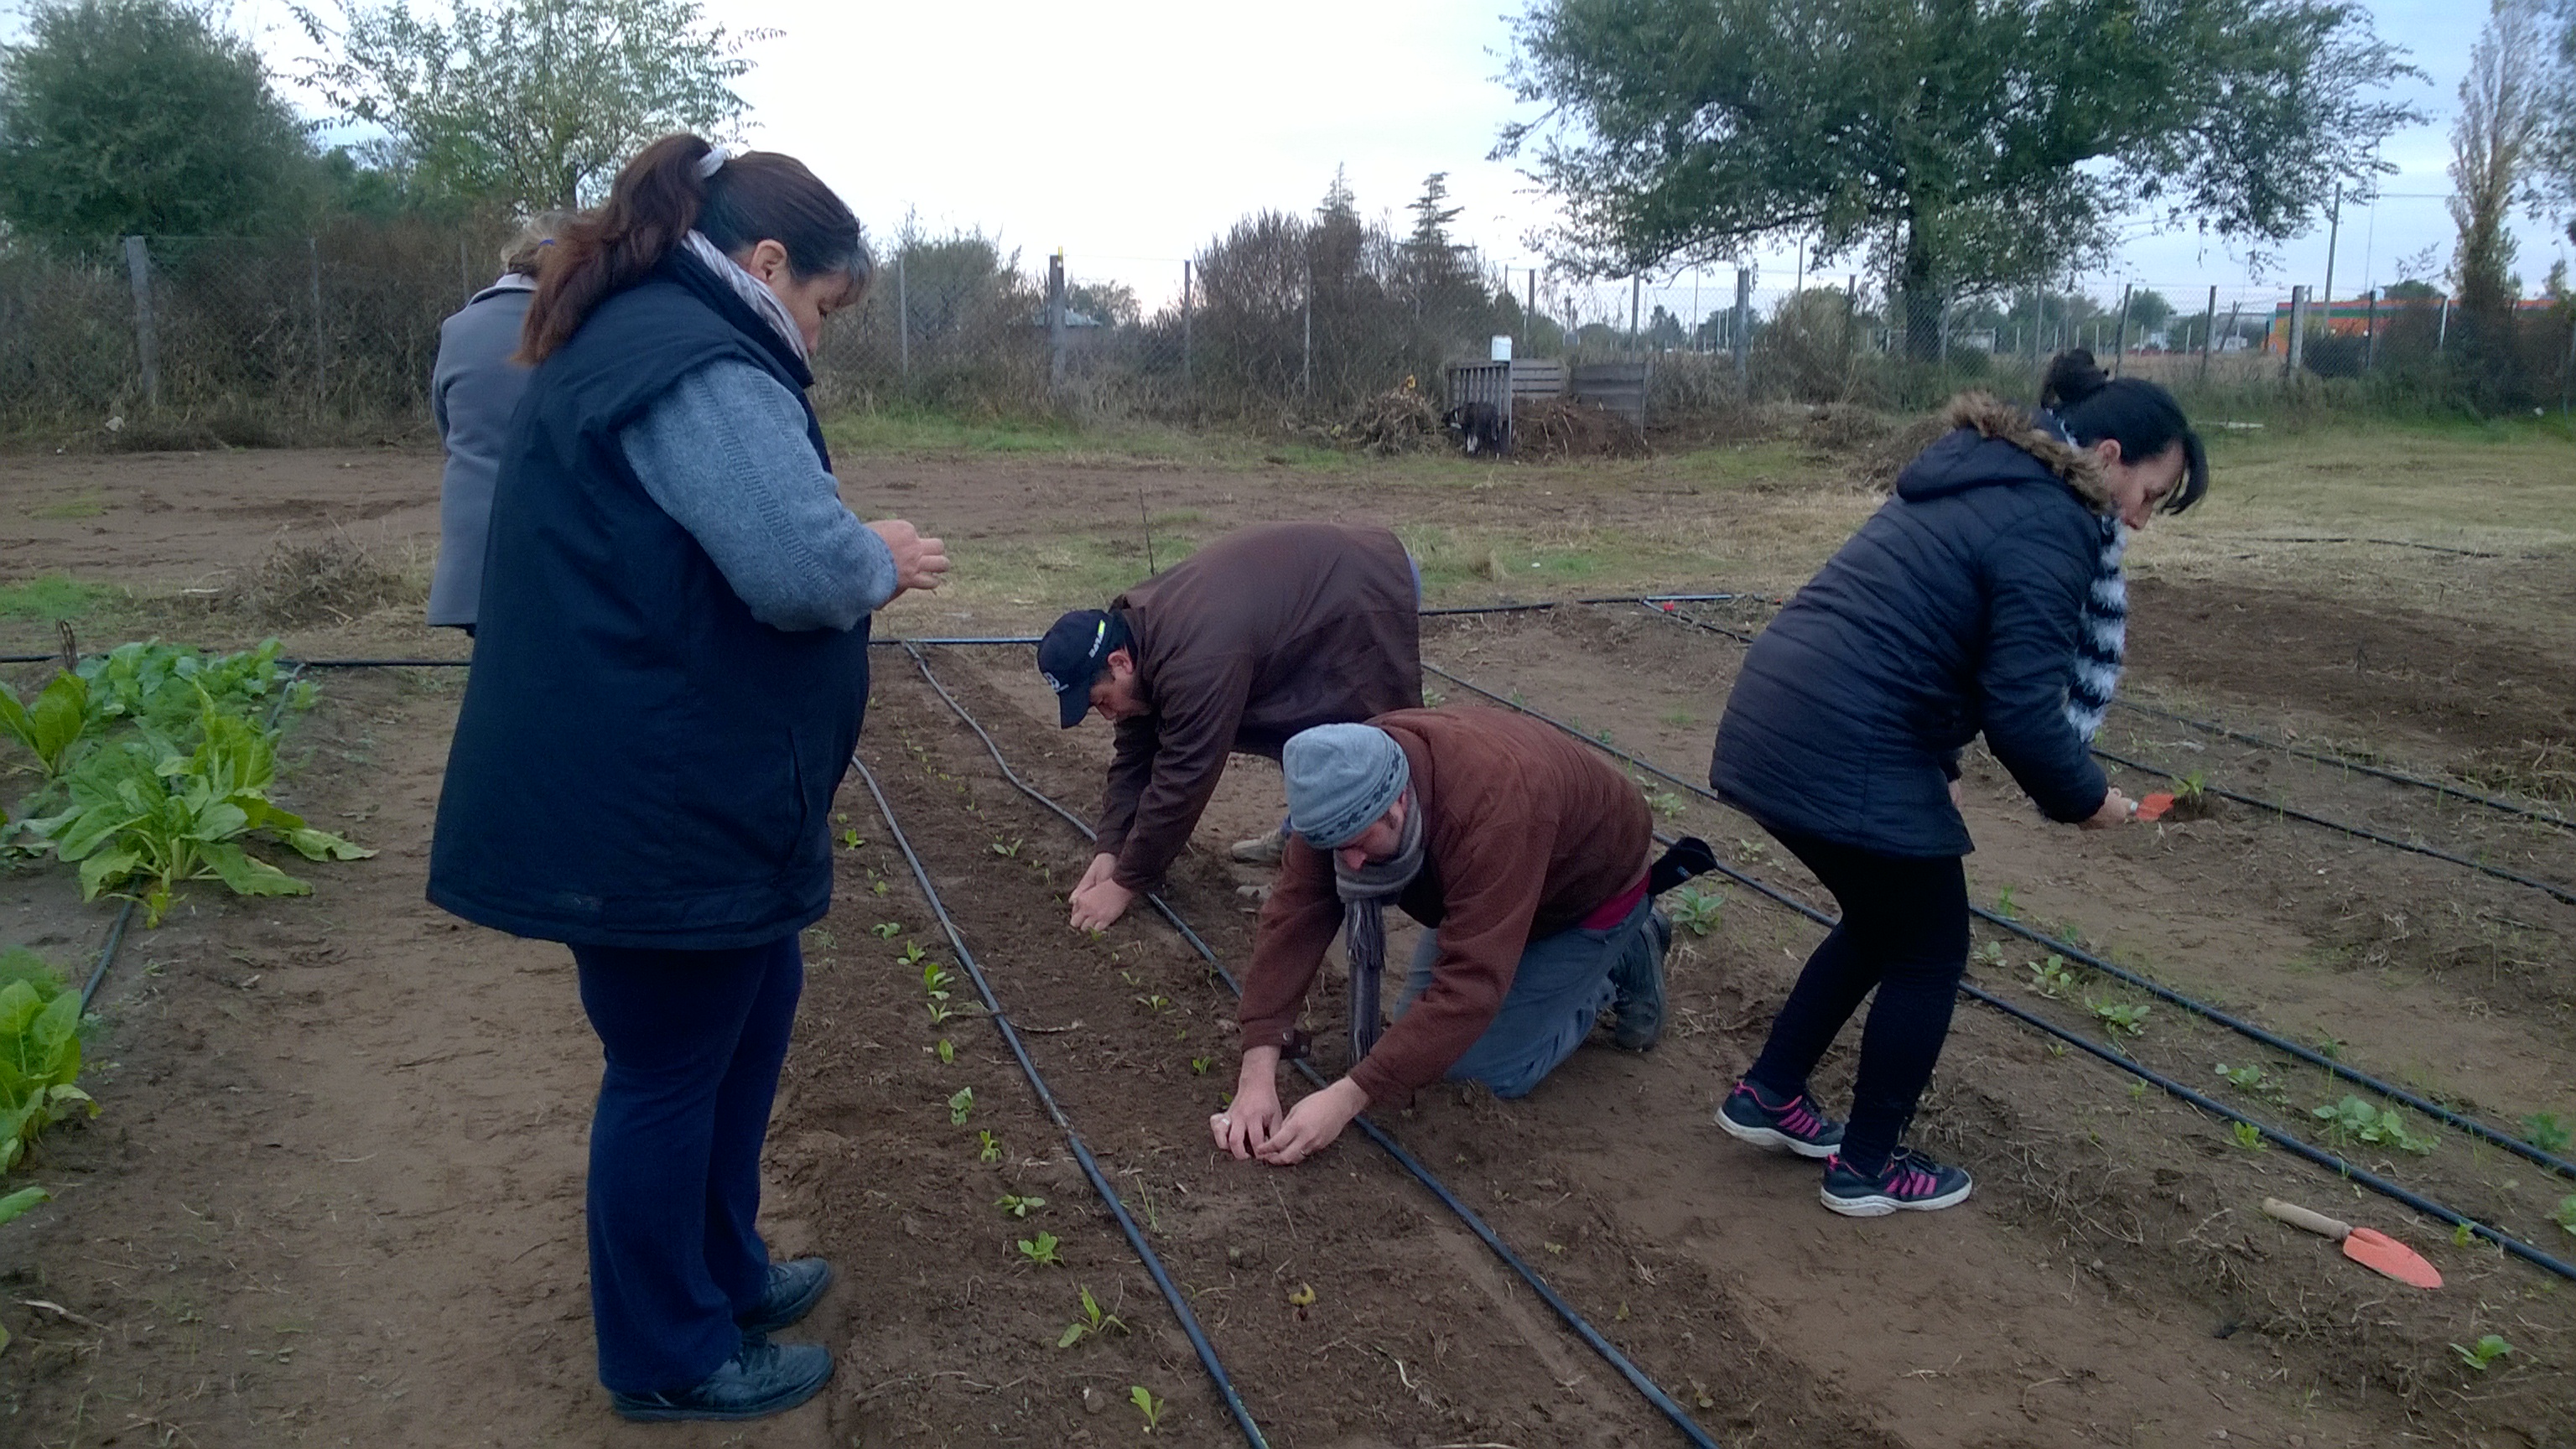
{"x": 1986, "y": 597}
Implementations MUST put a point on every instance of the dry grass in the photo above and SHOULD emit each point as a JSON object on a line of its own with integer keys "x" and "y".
{"x": 326, "y": 579}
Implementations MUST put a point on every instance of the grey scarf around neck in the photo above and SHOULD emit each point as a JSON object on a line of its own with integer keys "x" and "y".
{"x": 749, "y": 288}
{"x": 1364, "y": 894}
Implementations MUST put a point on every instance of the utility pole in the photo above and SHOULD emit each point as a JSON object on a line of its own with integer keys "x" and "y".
{"x": 1743, "y": 328}
{"x": 2120, "y": 337}
{"x": 1636, "y": 286}
{"x": 147, "y": 338}
{"x": 1530, "y": 311}
{"x": 1055, "y": 318}
{"x": 2297, "y": 351}
{"x": 2334, "y": 230}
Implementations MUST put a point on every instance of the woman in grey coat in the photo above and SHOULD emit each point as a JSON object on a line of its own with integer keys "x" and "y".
{"x": 473, "y": 390}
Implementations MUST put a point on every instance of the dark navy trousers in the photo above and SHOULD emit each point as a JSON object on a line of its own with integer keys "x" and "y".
{"x": 694, "y": 1041}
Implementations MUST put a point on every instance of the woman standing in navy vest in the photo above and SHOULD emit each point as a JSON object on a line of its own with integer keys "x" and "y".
{"x": 669, "y": 673}
{"x": 1985, "y": 597}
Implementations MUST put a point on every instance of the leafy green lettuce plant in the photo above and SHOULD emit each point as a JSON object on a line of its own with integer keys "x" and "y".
{"x": 51, "y": 725}
{"x": 40, "y": 1059}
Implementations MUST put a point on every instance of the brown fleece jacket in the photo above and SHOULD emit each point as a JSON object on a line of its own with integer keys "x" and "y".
{"x": 1527, "y": 833}
{"x": 1265, "y": 632}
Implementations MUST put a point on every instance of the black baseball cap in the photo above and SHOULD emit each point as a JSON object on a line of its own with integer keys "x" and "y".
{"x": 1072, "y": 655}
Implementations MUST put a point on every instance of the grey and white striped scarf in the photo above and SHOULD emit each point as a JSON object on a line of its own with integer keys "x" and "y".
{"x": 751, "y": 289}
{"x": 2102, "y": 634}
{"x": 1364, "y": 894}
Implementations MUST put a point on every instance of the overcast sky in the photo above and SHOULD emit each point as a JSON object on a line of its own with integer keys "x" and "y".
{"x": 1128, "y": 133}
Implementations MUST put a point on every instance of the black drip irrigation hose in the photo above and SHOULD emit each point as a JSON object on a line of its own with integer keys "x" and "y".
{"x": 2380, "y": 772}
{"x": 2558, "y": 892}
{"x": 1082, "y": 1154}
{"x": 107, "y": 955}
{"x": 1574, "y": 1320}
{"x": 2468, "y": 1125}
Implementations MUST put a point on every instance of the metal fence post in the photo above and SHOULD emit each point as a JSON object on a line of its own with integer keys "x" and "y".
{"x": 321, "y": 353}
{"x": 2370, "y": 331}
{"x": 1186, "y": 279}
{"x": 1531, "y": 311}
{"x": 2232, "y": 309}
{"x": 1055, "y": 318}
{"x": 902, "y": 318}
{"x": 1740, "y": 330}
{"x": 1306, "y": 355}
{"x": 2208, "y": 330}
{"x": 2297, "y": 350}
{"x": 2443, "y": 333}
{"x": 147, "y": 340}
{"x": 2120, "y": 337}
{"x": 1636, "y": 286}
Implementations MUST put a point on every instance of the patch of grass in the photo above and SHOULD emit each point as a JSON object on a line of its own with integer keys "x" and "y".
{"x": 1057, "y": 571}
{"x": 49, "y": 597}
{"x": 84, "y": 505}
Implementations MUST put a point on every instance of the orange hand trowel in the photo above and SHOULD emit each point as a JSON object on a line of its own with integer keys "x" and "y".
{"x": 2154, "y": 806}
{"x": 2369, "y": 1247}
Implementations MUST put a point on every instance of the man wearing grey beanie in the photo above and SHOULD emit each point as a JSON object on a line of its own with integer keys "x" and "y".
{"x": 1523, "y": 852}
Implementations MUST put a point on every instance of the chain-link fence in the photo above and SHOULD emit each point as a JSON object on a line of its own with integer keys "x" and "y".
{"x": 1280, "y": 321}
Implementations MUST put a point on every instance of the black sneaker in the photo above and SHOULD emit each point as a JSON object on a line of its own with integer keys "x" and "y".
{"x": 793, "y": 1290}
{"x": 761, "y": 1379}
{"x": 1910, "y": 1181}
{"x": 1639, "y": 980}
{"x": 1793, "y": 1126}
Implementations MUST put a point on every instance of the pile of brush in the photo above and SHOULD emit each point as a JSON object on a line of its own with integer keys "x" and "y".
{"x": 1399, "y": 420}
{"x": 1554, "y": 427}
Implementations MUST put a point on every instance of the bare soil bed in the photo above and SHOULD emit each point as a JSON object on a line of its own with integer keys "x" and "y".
{"x": 335, "y": 1195}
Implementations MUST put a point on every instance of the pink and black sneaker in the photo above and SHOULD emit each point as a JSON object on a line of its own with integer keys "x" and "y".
{"x": 1747, "y": 1115}
{"x": 1909, "y": 1182}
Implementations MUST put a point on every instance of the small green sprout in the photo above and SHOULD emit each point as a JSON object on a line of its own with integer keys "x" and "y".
{"x": 2052, "y": 976}
{"x": 2004, "y": 904}
{"x": 887, "y": 930}
{"x": 947, "y": 1052}
{"x": 1665, "y": 803}
{"x": 1697, "y": 911}
{"x": 935, "y": 980}
{"x": 1016, "y": 1205}
{"x": 912, "y": 954}
{"x": 1041, "y": 1251}
{"x": 988, "y": 1147}
{"x": 1199, "y": 1065}
{"x": 2247, "y": 1135}
{"x": 1010, "y": 851}
{"x": 2461, "y": 1234}
{"x": 2546, "y": 1132}
{"x": 2119, "y": 1019}
{"x": 850, "y": 840}
{"x": 2353, "y": 1119}
{"x": 881, "y": 887}
{"x": 2565, "y": 1216}
{"x": 1092, "y": 1323}
{"x": 1157, "y": 1003}
{"x": 2488, "y": 1350}
{"x": 2252, "y": 1080}
{"x": 1152, "y": 1408}
{"x": 960, "y": 1105}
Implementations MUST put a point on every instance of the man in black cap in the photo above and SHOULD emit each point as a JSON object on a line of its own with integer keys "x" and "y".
{"x": 1263, "y": 633}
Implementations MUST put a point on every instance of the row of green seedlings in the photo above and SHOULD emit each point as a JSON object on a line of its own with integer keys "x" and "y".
{"x": 2350, "y": 1120}
{"x": 1044, "y": 1249}
{"x": 153, "y": 766}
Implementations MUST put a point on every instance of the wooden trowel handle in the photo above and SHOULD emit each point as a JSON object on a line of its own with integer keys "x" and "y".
{"x": 2299, "y": 1217}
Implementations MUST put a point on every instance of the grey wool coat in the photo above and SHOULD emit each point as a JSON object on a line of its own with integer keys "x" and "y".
{"x": 473, "y": 390}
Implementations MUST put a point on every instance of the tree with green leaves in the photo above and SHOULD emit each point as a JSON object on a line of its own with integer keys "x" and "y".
{"x": 527, "y": 104}
{"x": 2495, "y": 141}
{"x": 126, "y": 117}
{"x": 1967, "y": 146}
{"x": 2149, "y": 311}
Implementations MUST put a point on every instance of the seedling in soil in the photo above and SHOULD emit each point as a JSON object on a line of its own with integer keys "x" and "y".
{"x": 820, "y": 939}
{"x": 2462, "y": 1234}
{"x": 2119, "y": 1019}
{"x": 1697, "y": 911}
{"x": 2488, "y": 1350}
{"x": 2565, "y": 1217}
{"x": 947, "y": 1051}
{"x": 1152, "y": 1408}
{"x": 1665, "y": 803}
{"x": 1156, "y": 1004}
{"x": 935, "y": 980}
{"x": 887, "y": 930}
{"x": 2247, "y": 1135}
{"x": 2252, "y": 1080}
{"x": 2546, "y": 1132}
{"x": 2051, "y": 976}
{"x": 1990, "y": 954}
{"x": 1199, "y": 1065}
{"x": 2331, "y": 1048}
{"x": 960, "y": 1105}
{"x": 988, "y": 1148}
{"x": 2004, "y": 904}
{"x": 881, "y": 887}
{"x": 1008, "y": 852}
{"x": 1092, "y": 1324}
{"x": 1751, "y": 852}
{"x": 1016, "y": 1205}
{"x": 850, "y": 840}
{"x": 2138, "y": 1090}
{"x": 941, "y": 1013}
{"x": 912, "y": 954}
{"x": 2353, "y": 1119}
{"x": 1041, "y": 1251}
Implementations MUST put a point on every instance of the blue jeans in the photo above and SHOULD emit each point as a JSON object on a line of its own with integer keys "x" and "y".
{"x": 694, "y": 1041}
{"x": 1559, "y": 989}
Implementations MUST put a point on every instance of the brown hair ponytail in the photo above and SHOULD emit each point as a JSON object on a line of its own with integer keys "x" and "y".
{"x": 653, "y": 205}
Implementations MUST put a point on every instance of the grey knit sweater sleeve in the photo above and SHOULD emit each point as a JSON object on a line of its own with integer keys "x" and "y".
{"x": 724, "y": 453}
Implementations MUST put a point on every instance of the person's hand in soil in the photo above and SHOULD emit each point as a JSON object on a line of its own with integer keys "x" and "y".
{"x": 2116, "y": 810}
{"x": 1244, "y": 1127}
{"x": 1314, "y": 1124}
{"x": 1098, "y": 899}
{"x": 918, "y": 562}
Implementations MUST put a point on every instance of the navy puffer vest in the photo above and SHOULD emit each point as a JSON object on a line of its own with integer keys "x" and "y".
{"x": 639, "y": 762}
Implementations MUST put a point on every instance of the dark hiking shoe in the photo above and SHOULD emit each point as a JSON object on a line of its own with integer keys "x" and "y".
{"x": 1909, "y": 1182}
{"x": 1639, "y": 981}
{"x": 793, "y": 1289}
{"x": 761, "y": 1379}
{"x": 1791, "y": 1126}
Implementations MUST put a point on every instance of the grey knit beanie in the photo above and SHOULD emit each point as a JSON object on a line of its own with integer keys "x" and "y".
{"x": 1341, "y": 778}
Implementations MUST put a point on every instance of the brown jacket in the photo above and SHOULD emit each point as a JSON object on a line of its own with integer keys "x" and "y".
{"x": 1528, "y": 833}
{"x": 1265, "y": 632}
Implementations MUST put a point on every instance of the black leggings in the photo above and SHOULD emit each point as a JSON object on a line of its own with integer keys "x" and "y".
{"x": 1905, "y": 931}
